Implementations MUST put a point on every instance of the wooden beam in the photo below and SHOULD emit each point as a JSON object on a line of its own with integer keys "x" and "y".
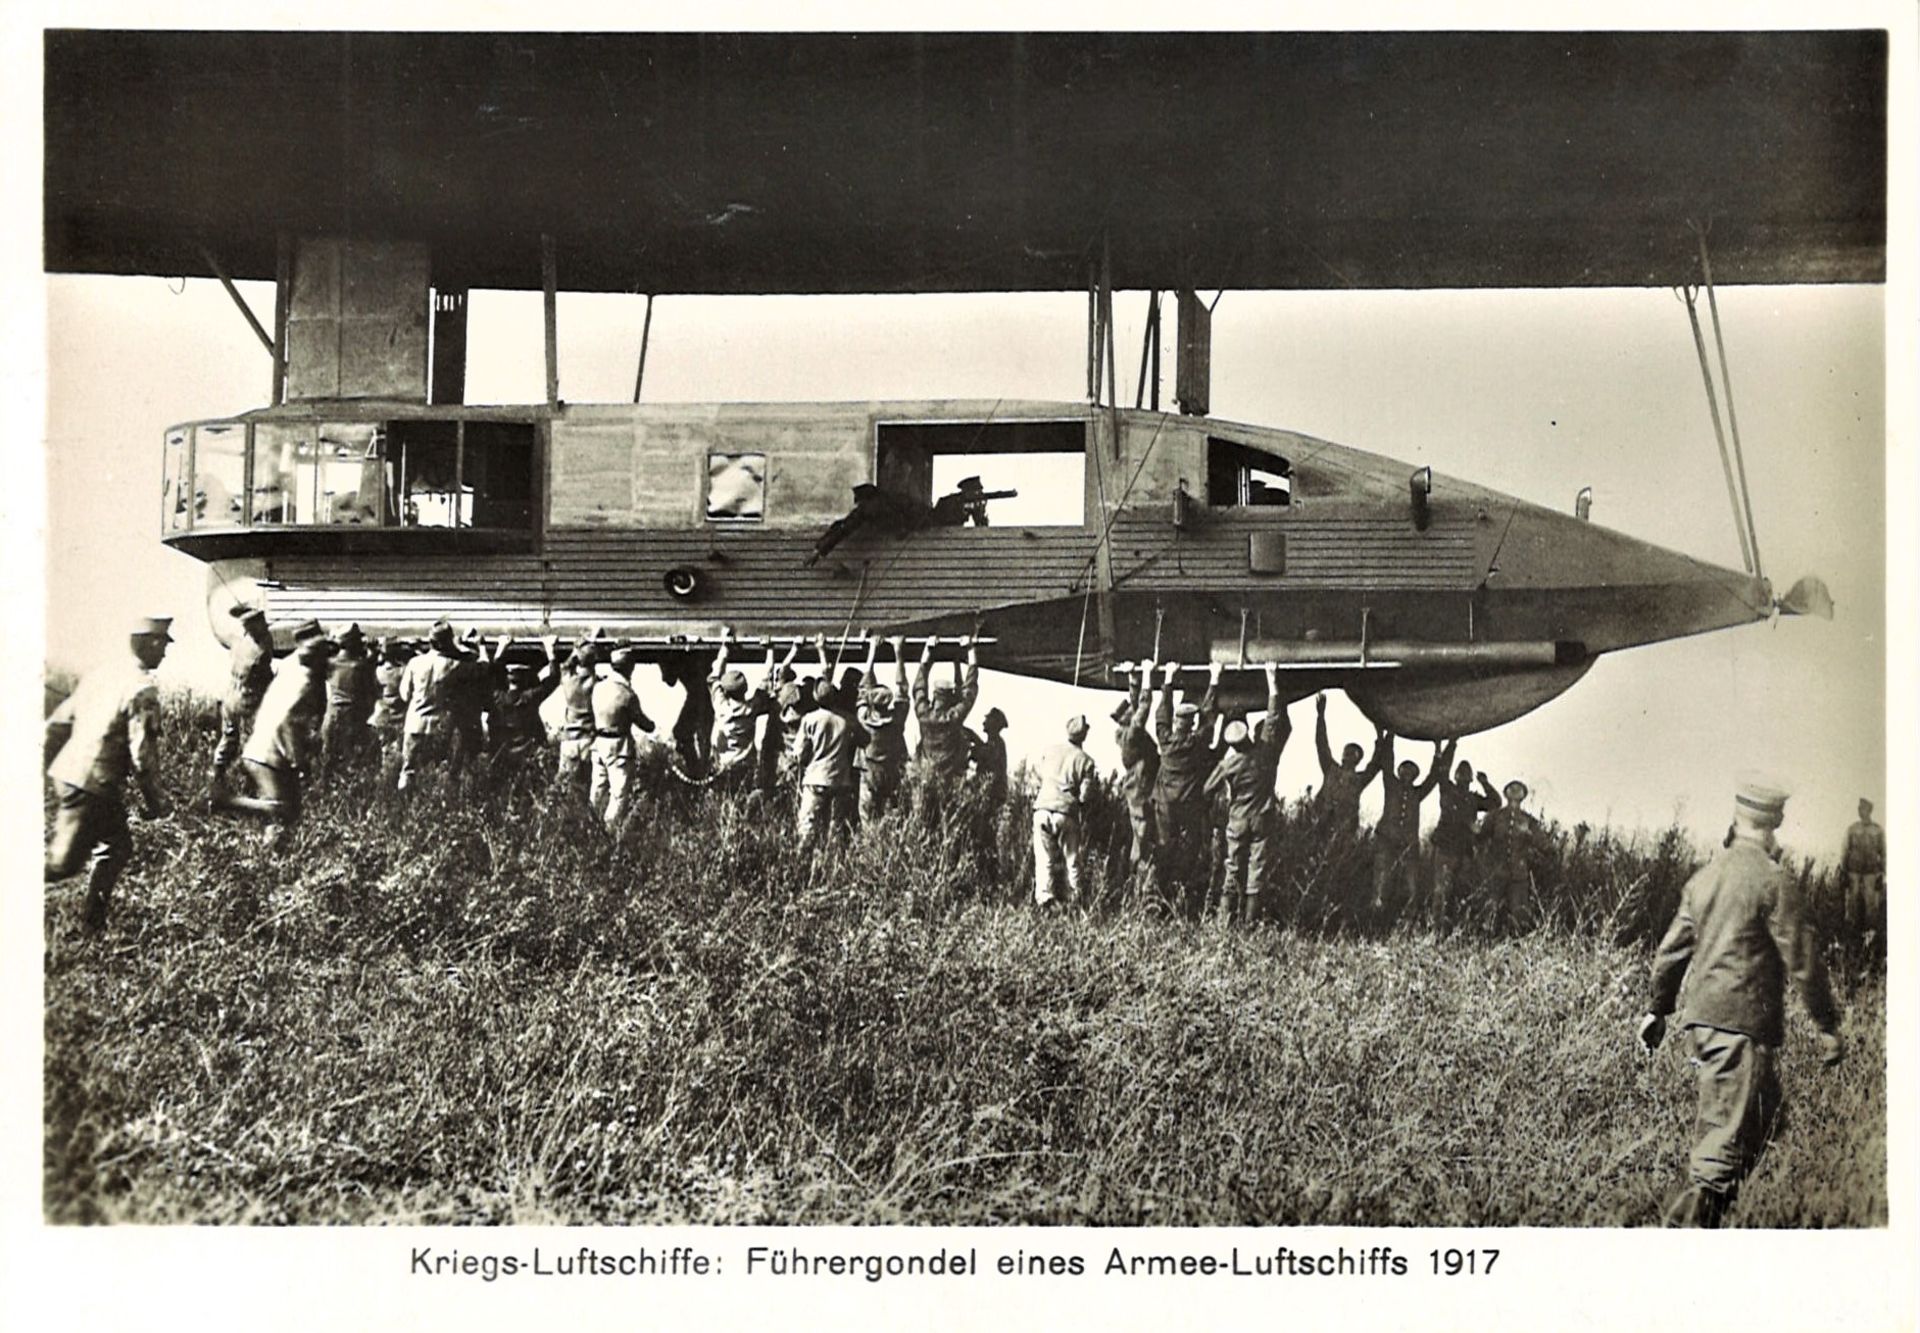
{"x": 282, "y": 297}
{"x": 548, "y": 282}
{"x": 266, "y": 339}
{"x": 646, "y": 331}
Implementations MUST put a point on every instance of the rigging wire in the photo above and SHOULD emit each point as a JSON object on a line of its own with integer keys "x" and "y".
{"x": 1726, "y": 384}
{"x": 1688, "y": 294}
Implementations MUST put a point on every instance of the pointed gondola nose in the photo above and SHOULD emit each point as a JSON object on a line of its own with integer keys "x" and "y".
{"x": 1612, "y": 591}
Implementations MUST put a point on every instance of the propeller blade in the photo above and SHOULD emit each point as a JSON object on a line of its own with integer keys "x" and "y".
{"x": 1808, "y": 597}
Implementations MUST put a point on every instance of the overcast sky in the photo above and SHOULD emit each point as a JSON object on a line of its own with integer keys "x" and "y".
{"x": 1534, "y": 393}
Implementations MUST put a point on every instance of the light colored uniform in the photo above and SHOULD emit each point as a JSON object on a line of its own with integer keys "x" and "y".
{"x": 110, "y": 728}
{"x": 282, "y": 741}
{"x": 735, "y": 725}
{"x": 945, "y": 747}
{"x": 426, "y": 685}
{"x": 1140, "y": 767}
{"x": 616, "y": 712}
{"x": 250, "y": 671}
{"x": 1179, "y": 793}
{"x": 826, "y": 743}
{"x": 1066, "y": 778}
{"x": 884, "y": 760}
{"x": 1738, "y": 935}
{"x": 576, "y": 729}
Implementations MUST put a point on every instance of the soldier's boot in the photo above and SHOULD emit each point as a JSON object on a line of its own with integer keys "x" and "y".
{"x": 101, "y": 875}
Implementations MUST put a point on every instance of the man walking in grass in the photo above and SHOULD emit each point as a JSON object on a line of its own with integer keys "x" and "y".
{"x": 1066, "y": 778}
{"x": 285, "y": 738}
{"x": 1739, "y": 933}
{"x": 249, "y": 672}
{"x": 1246, "y": 775}
{"x": 104, "y": 734}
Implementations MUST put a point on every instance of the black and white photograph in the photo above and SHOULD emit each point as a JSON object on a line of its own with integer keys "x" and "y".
{"x": 975, "y": 656}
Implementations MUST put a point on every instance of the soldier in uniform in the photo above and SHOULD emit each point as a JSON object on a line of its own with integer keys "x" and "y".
{"x": 693, "y": 727}
{"x": 515, "y": 733}
{"x": 105, "y": 733}
{"x": 616, "y": 716}
{"x": 427, "y": 687}
{"x": 250, "y": 669}
{"x": 389, "y": 709}
{"x": 789, "y": 702}
{"x": 1338, "y": 805}
{"x": 1067, "y": 779}
{"x": 1180, "y": 804}
{"x": 942, "y": 714}
{"x": 737, "y": 711}
{"x": 989, "y": 761}
{"x": 826, "y": 741}
{"x": 576, "y": 717}
{"x": 1396, "y": 838}
{"x": 1509, "y": 837}
{"x": 1453, "y": 837}
{"x": 1864, "y": 862}
{"x": 883, "y": 716}
{"x": 1245, "y": 776}
{"x": 285, "y": 735}
{"x": 350, "y": 697}
{"x": 1739, "y": 933}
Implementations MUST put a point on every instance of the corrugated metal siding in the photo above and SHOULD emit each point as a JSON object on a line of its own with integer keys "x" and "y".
{"x": 1321, "y": 553}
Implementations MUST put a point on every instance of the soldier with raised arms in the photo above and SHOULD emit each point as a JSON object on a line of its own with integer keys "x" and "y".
{"x": 945, "y": 747}
{"x": 737, "y": 711}
{"x": 617, "y": 717}
{"x": 1185, "y": 735}
{"x": 883, "y": 716}
{"x": 249, "y": 672}
{"x": 1396, "y": 838}
{"x": 1341, "y": 784}
{"x": 1139, "y": 767}
{"x": 1453, "y": 837}
{"x": 105, "y": 734}
{"x": 1246, "y": 775}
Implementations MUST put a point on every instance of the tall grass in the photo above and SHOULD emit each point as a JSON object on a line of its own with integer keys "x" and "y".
{"x": 474, "y": 1007}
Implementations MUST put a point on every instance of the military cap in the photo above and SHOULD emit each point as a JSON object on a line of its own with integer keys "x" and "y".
{"x": 1122, "y": 711}
{"x": 994, "y": 718}
{"x": 520, "y": 671}
{"x": 824, "y": 693}
{"x": 307, "y": 631}
{"x": 733, "y": 683}
{"x": 441, "y": 635}
{"x": 970, "y": 484}
{"x": 1185, "y": 709}
{"x": 1237, "y": 735}
{"x": 351, "y": 637}
{"x": 1515, "y": 790}
{"x": 879, "y": 699}
{"x": 790, "y": 695}
{"x": 1077, "y": 727}
{"x": 246, "y": 613}
{"x": 624, "y": 660}
{"x": 157, "y": 627}
{"x": 1760, "y": 800}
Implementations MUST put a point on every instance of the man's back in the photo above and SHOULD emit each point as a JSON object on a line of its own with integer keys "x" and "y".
{"x": 426, "y": 685}
{"x": 616, "y": 708}
{"x": 828, "y": 739}
{"x": 1737, "y": 935}
{"x": 1866, "y": 852}
{"x": 250, "y": 671}
{"x": 111, "y": 716}
{"x": 1065, "y": 772}
{"x": 288, "y": 714}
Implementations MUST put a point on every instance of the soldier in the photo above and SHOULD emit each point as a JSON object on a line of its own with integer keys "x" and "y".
{"x": 693, "y": 727}
{"x": 1864, "y": 862}
{"x": 942, "y": 713}
{"x": 989, "y": 760}
{"x": 1341, "y": 784}
{"x": 351, "y": 687}
{"x": 736, "y": 716}
{"x": 282, "y": 745}
{"x": 789, "y": 701}
{"x": 1739, "y": 933}
{"x": 1067, "y": 779}
{"x": 1245, "y": 775}
{"x": 827, "y": 741}
{"x": 1396, "y": 838}
{"x": 1187, "y": 759}
{"x": 1510, "y": 836}
{"x": 427, "y": 685}
{"x": 617, "y": 715}
{"x": 250, "y": 670}
{"x": 1460, "y": 809}
{"x": 105, "y": 732}
{"x": 515, "y": 733}
{"x": 389, "y": 709}
{"x": 1139, "y": 766}
{"x": 576, "y": 717}
{"x": 469, "y": 691}
{"x": 883, "y": 716}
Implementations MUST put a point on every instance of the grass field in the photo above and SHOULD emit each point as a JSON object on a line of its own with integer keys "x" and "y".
{"x": 484, "y": 1011}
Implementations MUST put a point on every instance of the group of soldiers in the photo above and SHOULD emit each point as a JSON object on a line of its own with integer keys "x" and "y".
{"x": 1199, "y": 791}
{"x": 1740, "y": 931}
